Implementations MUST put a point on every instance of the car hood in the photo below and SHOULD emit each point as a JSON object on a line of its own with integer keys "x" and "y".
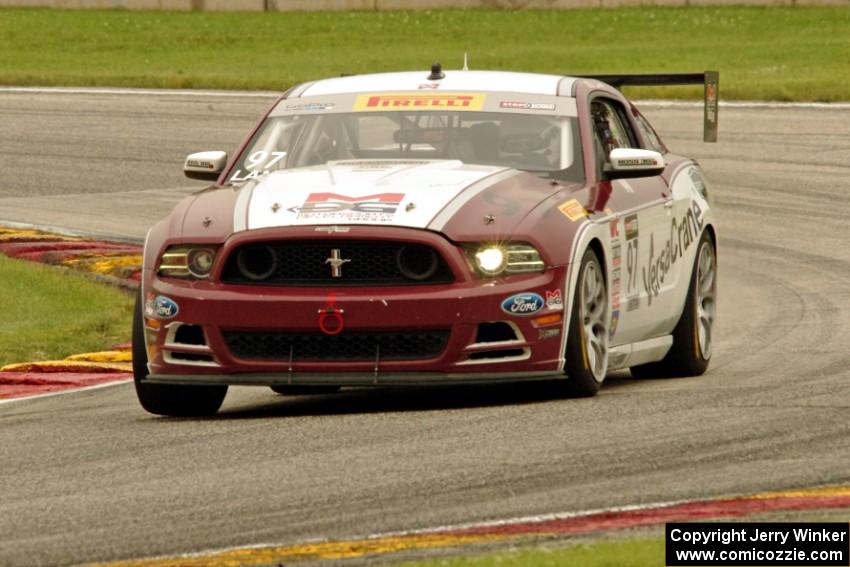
{"x": 391, "y": 193}
{"x": 445, "y": 196}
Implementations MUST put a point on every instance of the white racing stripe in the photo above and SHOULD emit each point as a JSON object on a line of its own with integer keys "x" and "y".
{"x": 535, "y": 519}
{"x": 455, "y": 205}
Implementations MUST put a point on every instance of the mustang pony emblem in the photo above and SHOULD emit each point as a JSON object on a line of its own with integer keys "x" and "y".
{"x": 336, "y": 262}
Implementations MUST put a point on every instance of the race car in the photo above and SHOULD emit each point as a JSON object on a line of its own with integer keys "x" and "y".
{"x": 415, "y": 228}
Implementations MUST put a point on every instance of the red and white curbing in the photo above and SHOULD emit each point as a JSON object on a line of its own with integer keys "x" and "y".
{"x": 112, "y": 262}
{"x": 529, "y": 529}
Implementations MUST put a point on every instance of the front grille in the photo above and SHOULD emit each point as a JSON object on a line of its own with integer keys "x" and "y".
{"x": 311, "y": 263}
{"x": 344, "y": 347}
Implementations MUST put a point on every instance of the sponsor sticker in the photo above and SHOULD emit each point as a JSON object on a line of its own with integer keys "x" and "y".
{"x": 416, "y": 101}
{"x": 518, "y": 105}
{"x": 199, "y": 163}
{"x": 616, "y": 273}
{"x": 380, "y": 207}
{"x": 631, "y": 225}
{"x": 573, "y": 210}
{"x": 161, "y": 307}
{"x": 554, "y": 301}
{"x": 638, "y": 162}
{"x": 523, "y": 304}
{"x": 615, "y": 320}
{"x": 543, "y": 334}
{"x": 311, "y": 106}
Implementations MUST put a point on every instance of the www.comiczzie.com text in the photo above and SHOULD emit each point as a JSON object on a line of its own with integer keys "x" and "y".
{"x": 809, "y": 544}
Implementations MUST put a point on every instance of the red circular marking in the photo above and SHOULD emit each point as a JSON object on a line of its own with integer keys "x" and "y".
{"x": 332, "y": 327}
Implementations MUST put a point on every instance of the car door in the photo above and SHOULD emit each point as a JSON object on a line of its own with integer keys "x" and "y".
{"x": 641, "y": 210}
{"x": 666, "y": 275}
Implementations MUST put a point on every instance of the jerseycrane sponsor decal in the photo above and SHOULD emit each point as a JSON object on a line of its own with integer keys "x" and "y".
{"x": 416, "y": 101}
{"x": 683, "y": 233}
{"x": 523, "y": 304}
{"x": 380, "y": 207}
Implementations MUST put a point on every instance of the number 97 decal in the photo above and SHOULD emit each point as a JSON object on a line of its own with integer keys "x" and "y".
{"x": 257, "y": 164}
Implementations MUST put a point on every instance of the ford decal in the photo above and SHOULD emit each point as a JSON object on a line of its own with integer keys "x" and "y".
{"x": 523, "y": 304}
{"x": 165, "y": 308}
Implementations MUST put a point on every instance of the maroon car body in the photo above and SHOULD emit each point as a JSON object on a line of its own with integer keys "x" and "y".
{"x": 403, "y": 229}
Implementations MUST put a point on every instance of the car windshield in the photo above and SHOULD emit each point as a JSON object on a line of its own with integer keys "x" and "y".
{"x": 544, "y": 144}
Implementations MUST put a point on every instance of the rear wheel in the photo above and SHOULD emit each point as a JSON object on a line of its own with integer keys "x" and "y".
{"x": 304, "y": 390}
{"x": 587, "y": 343}
{"x": 168, "y": 399}
{"x": 693, "y": 335}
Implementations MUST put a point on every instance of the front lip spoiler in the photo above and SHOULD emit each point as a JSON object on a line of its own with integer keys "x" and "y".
{"x": 348, "y": 378}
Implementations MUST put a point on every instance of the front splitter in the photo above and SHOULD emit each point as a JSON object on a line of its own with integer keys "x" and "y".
{"x": 349, "y": 379}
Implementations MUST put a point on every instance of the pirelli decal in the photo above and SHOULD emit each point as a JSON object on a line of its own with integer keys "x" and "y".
{"x": 420, "y": 101}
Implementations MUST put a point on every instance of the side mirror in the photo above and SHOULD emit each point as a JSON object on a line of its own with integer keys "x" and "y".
{"x": 633, "y": 162}
{"x": 206, "y": 166}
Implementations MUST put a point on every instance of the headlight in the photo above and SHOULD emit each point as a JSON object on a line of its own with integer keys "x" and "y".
{"x": 187, "y": 261}
{"x": 508, "y": 258}
{"x": 491, "y": 260}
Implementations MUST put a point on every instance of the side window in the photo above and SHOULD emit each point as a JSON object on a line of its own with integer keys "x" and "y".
{"x": 610, "y": 128}
{"x": 647, "y": 132}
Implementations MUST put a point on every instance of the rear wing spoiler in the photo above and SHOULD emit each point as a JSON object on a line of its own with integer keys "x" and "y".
{"x": 709, "y": 79}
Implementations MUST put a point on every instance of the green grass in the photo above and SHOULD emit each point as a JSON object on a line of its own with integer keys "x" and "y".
{"x": 777, "y": 53}
{"x": 48, "y": 314}
{"x": 618, "y": 553}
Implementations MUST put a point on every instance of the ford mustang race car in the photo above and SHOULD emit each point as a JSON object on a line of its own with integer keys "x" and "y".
{"x": 457, "y": 227}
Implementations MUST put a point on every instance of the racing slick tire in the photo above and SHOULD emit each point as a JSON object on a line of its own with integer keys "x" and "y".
{"x": 587, "y": 343}
{"x": 167, "y": 399}
{"x": 304, "y": 390}
{"x": 692, "y": 336}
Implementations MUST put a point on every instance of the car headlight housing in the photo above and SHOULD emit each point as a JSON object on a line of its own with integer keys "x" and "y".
{"x": 187, "y": 261}
{"x": 495, "y": 259}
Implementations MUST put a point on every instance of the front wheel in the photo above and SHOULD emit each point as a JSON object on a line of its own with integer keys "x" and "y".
{"x": 167, "y": 399}
{"x": 587, "y": 343}
{"x": 693, "y": 335}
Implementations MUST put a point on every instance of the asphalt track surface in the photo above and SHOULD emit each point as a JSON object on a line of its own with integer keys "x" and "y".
{"x": 89, "y": 476}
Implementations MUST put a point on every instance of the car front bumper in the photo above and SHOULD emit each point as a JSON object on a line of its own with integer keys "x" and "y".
{"x": 216, "y": 311}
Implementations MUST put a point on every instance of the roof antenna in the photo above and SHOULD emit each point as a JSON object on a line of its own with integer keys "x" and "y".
{"x": 436, "y": 72}
{"x": 465, "y": 62}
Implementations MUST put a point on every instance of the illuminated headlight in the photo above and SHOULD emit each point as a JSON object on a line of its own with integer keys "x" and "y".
{"x": 187, "y": 261}
{"x": 490, "y": 260}
{"x": 509, "y": 258}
